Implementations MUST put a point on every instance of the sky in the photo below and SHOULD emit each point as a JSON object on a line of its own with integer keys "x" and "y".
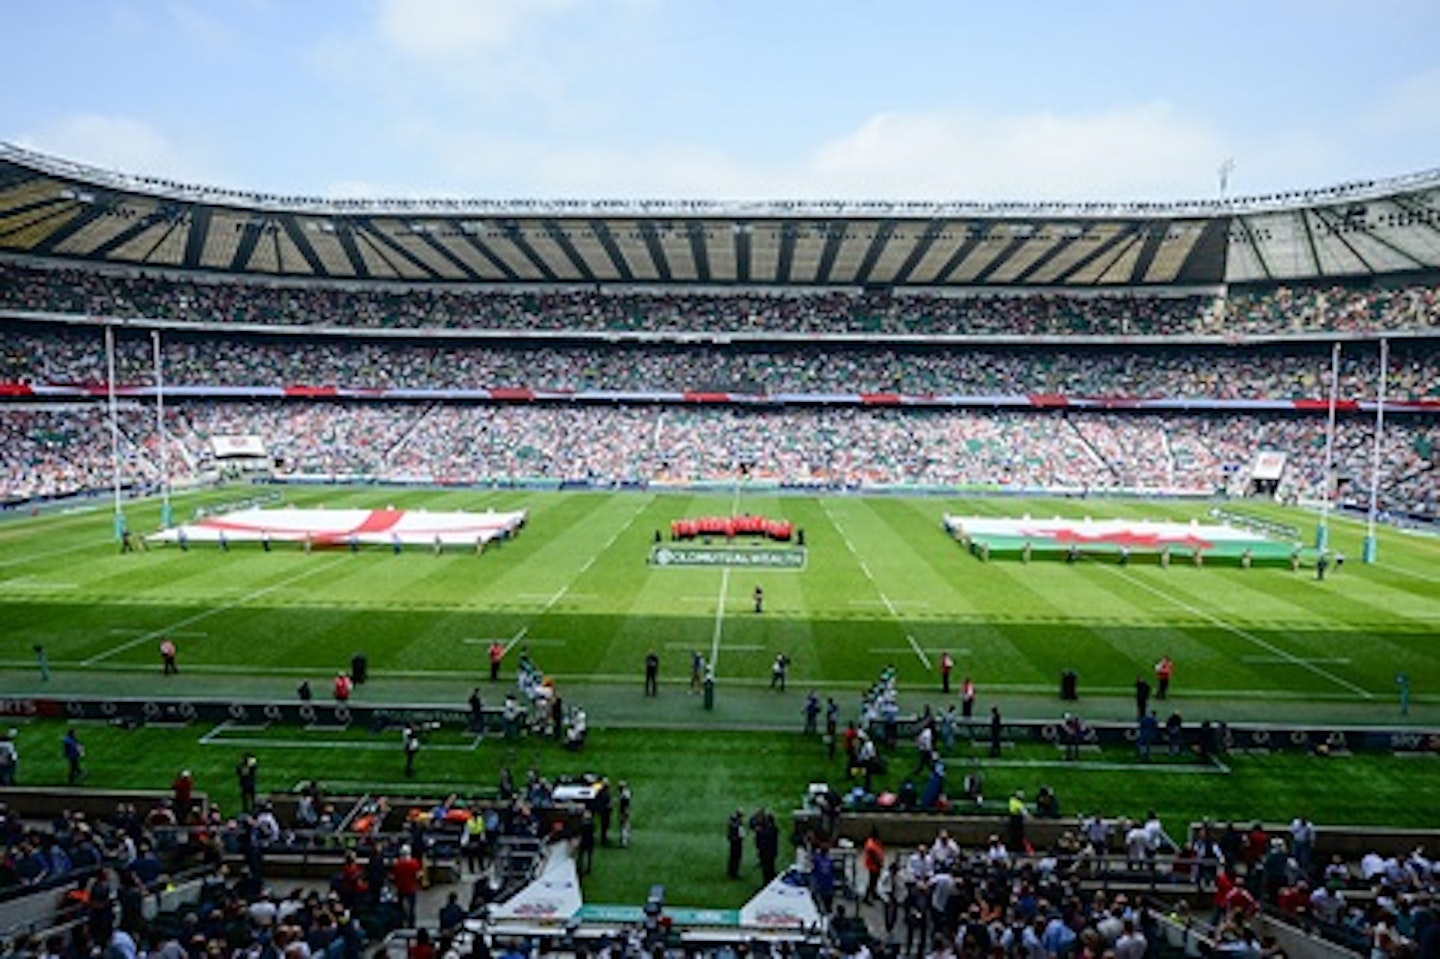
{"x": 1028, "y": 100}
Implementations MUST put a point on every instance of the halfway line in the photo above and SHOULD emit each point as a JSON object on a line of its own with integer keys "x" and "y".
{"x": 719, "y": 618}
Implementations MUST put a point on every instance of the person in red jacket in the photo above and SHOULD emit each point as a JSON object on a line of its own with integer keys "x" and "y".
{"x": 1164, "y": 669}
{"x": 342, "y": 688}
{"x": 405, "y": 874}
{"x": 184, "y": 791}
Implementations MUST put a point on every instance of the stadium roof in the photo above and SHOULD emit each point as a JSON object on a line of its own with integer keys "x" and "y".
{"x": 54, "y": 209}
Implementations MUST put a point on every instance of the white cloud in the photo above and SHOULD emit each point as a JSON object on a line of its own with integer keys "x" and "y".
{"x": 465, "y": 28}
{"x": 1142, "y": 152}
{"x": 1138, "y": 152}
{"x": 121, "y": 144}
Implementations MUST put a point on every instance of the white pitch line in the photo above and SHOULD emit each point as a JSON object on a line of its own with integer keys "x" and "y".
{"x": 1216, "y": 768}
{"x": 198, "y": 617}
{"x": 891, "y": 650}
{"x": 735, "y": 647}
{"x": 719, "y": 619}
{"x": 890, "y": 606}
{"x": 529, "y": 641}
{"x": 362, "y": 746}
{"x": 555, "y": 598}
{"x": 1409, "y": 572}
{"x": 32, "y": 557}
{"x": 1337, "y": 661}
{"x": 30, "y": 582}
{"x": 918, "y": 651}
{"x": 1237, "y": 631}
{"x": 516, "y": 638}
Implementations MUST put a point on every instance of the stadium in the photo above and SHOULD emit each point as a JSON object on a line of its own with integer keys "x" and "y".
{"x": 789, "y": 450}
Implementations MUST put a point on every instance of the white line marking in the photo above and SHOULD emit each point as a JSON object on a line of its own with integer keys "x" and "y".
{"x": 916, "y": 646}
{"x": 1276, "y": 660}
{"x": 892, "y": 650}
{"x": 1215, "y": 768}
{"x": 878, "y": 602}
{"x": 1237, "y": 631}
{"x": 1408, "y": 572}
{"x": 198, "y": 617}
{"x": 737, "y": 647}
{"x": 890, "y": 607}
{"x": 32, "y": 557}
{"x": 555, "y": 598}
{"x": 516, "y": 638}
{"x": 363, "y": 746}
{"x": 31, "y": 582}
{"x": 719, "y": 620}
{"x": 531, "y": 641}
{"x": 533, "y": 596}
{"x": 409, "y": 786}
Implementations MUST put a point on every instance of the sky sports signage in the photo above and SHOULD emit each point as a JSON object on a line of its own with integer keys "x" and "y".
{"x": 716, "y": 556}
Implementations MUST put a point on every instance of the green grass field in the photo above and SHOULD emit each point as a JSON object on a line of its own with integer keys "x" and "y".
{"x": 884, "y": 585}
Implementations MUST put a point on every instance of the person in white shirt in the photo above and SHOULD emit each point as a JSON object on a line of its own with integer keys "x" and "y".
{"x": 1302, "y": 841}
{"x": 945, "y": 851}
{"x": 919, "y": 865}
{"x": 1131, "y": 944}
{"x": 1137, "y": 845}
{"x": 1156, "y": 838}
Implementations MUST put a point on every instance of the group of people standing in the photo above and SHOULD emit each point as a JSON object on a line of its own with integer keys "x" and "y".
{"x": 765, "y": 830}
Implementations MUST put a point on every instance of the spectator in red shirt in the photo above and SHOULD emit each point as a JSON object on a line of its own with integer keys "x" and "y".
{"x": 1257, "y": 843}
{"x": 422, "y": 947}
{"x": 184, "y": 790}
{"x": 405, "y": 874}
{"x": 1293, "y": 899}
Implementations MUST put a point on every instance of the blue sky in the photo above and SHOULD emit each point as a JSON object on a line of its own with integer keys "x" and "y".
{"x": 731, "y": 99}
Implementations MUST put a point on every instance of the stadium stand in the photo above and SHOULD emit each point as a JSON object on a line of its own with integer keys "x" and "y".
{"x": 1080, "y": 349}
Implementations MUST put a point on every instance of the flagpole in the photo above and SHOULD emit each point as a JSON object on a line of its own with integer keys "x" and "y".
{"x": 1322, "y": 534}
{"x": 114, "y": 429}
{"x": 1369, "y": 550}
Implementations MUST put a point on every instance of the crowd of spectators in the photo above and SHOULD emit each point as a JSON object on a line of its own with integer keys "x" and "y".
{"x": 49, "y": 452}
{"x": 194, "y": 883}
{"x": 145, "y": 296}
{"x": 66, "y": 355}
{"x": 1004, "y": 897}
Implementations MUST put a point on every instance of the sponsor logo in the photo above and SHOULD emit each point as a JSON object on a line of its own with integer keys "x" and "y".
{"x": 793, "y": 558}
